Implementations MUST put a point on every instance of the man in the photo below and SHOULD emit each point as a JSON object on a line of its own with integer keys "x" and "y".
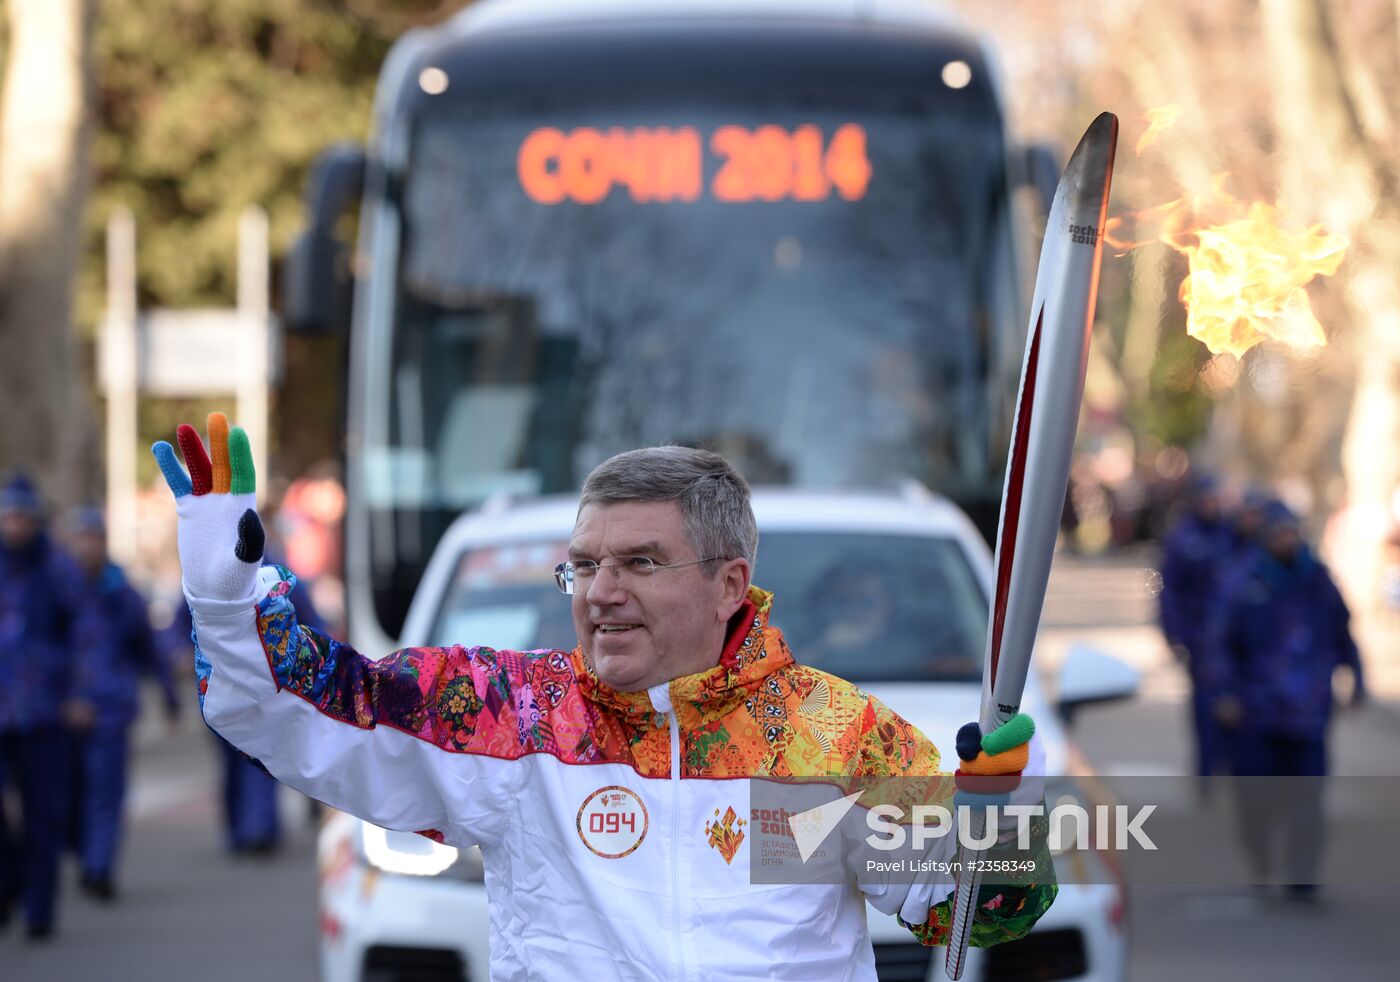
{"x": 593, "y": 780}
{"x": 114, "y": 647}
{"x": 36, "y": 664}
{"x": 1193, "y": 555}
{"x": 1278, "y": 636}
{"x": 1247, "y": 526}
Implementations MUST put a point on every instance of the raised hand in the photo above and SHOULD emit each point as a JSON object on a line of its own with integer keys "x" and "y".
{"x": 220, "y": 536}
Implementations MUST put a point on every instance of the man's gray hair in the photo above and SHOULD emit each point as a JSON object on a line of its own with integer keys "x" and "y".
{"x": 713, "y": 497}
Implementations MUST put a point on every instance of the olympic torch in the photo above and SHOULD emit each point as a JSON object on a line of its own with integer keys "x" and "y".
{"x": 1042, "y": 441}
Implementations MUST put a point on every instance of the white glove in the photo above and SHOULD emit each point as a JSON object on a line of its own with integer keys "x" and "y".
{"x": 220, "y": 536}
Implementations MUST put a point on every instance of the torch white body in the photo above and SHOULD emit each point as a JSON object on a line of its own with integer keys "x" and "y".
{"x": 1042, "y": 444}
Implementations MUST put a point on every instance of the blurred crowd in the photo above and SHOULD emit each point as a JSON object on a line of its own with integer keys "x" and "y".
{"x": 76, "y": 642}
{"x": 1115, "y": 500}
{"x": 1256, "y": 618}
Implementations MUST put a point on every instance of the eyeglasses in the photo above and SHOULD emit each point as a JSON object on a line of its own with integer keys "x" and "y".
{"x": 567, "y": 576}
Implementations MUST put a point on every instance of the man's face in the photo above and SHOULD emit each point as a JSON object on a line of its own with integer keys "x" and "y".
{"x": 1283, "y": 542}
{"x": 89, "y": 549}
{"x": 1249, "y": 522}
{"x": 641, "y": 630}
{"x": 1208, "y": 506}
{"x": 18, "y": 528}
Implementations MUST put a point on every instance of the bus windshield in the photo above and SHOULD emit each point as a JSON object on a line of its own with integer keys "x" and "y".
{"x": 816, "y": 279}
{"x": 577, "y": 282}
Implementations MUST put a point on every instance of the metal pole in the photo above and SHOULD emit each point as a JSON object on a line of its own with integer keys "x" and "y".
{"x": 254, "y": 312}
{"x": 1042, "y": 446}
{"x": 120, "y": 375}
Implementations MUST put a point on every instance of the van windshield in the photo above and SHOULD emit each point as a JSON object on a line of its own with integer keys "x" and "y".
{"x": 865, "y": 607}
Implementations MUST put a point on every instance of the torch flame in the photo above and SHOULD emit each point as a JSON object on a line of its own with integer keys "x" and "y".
{"x": 1158, "y": 119}
{"x": 1247, "y": 276}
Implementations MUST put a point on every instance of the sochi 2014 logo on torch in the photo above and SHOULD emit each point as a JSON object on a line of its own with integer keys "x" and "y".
{"x": 612, "y": 821}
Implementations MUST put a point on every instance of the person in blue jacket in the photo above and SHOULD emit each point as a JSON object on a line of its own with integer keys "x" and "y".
{"x": 1247, "y": 524}
{"x": 37, "y": 609}
{"x": 1194, "y": 552}
{"x": 1276, "y": 639}
{"x": 114, "y": 647}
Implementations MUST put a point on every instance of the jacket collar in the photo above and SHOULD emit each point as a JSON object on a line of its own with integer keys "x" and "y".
{"x": 1278, "y": 577}
{"x": 31, "y": 554}
{"x": 753, "y": 651}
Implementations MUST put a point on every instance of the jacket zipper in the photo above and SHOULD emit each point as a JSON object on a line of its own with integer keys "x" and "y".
{"x": 676, "y": 841}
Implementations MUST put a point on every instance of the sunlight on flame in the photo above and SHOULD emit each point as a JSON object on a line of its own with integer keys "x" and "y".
{"x": 1158, "y": 119}
{"x": 1247, "y": 276}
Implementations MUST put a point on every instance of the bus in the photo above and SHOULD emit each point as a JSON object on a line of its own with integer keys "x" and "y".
{"x": 783, "y": 231}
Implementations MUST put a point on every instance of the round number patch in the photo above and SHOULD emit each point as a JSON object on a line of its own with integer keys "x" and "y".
{"x": 612, "y": 821}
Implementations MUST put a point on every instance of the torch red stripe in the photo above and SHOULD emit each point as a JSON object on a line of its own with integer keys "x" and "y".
{"x": 1011, "y": 514}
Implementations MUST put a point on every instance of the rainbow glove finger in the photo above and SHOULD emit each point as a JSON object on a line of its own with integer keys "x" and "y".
{"x": 220, "y": 536}
{"x": 990, "y": 767}
{"x": 1011, "y": 762}
{"x": 1006, "y": 750}
{"x": 1015, "y": 732}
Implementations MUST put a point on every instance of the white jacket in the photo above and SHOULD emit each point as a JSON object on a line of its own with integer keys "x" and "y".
{"x": 613, "y": 826}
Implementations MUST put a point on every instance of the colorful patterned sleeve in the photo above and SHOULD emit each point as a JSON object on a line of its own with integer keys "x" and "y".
{"x": 892, "y": 747}
{"x": 417, "y": 740}
{"x": 434, "y": 694}
{"x": 1005, "y": 912}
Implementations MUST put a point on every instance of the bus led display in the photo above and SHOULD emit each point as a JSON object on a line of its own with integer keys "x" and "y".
{"x": 663, "y": 164}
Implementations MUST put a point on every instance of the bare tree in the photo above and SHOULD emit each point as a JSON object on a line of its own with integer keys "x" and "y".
{"x": 1341, "y": 155}
{"x": 1289, "y": 97}
{"x": 45, "y": 133}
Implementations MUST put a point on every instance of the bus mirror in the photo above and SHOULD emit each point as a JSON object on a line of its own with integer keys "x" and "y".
{"x": 317, "y": 279}
{"x": 1040, "y": 169}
